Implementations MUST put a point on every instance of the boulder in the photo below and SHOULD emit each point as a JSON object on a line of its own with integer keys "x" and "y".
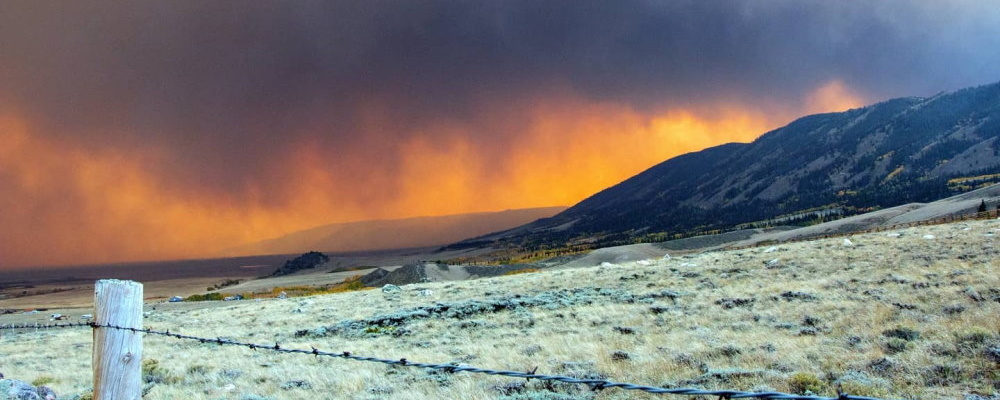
{"x": 12, "y": 389}
{"x": 391, "y": 289}
{"x": 46, "y": 393}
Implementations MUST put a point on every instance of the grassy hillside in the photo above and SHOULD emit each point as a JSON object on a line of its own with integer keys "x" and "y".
{"x": 913, "y": 313}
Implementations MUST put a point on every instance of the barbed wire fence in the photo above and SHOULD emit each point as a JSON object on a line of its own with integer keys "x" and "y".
{"x": 593, "y": 384}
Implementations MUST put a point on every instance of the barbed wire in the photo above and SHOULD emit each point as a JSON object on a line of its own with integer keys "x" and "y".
{"x": 594, "y": 384}
{"x": 38, "y": 326}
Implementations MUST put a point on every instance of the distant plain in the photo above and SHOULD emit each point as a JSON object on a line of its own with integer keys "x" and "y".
{"x": 72, "y": 287}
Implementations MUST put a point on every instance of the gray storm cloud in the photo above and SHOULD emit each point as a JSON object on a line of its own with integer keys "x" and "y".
{"x": 222, "y": 95}
{"x": 211, "y": 73}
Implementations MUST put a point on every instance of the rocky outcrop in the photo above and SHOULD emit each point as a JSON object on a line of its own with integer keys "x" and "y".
{"x": 372, "y": 278}
{"x": 308, "y": 260}
{"x": 409, "y": 273}
{"x": 12, "y": 389}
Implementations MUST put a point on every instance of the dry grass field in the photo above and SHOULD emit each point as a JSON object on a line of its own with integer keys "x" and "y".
{"x": 913, "y": 313}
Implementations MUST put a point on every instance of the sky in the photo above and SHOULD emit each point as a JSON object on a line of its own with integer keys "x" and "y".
{"x": 151, "y": 130}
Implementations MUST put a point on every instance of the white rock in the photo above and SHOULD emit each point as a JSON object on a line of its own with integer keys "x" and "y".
{"x": 666, "y": 256}
{"x": 644, "y": 262}
{"x": 893, "y": 234}
{"x": 689, "y": 264}
{"x": 772, "y": 263}
{"x": 848, "y": 242}
{"x": 425, "y": 292}
{"x": 607, "y": 264}
{"x": 771, "y": 249}
{"x": 929, "y": 236}
{"x": 390, "y": 288}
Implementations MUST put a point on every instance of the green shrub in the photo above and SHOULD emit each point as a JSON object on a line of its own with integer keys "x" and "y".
{"x": 906, "y": 334}
{"x": 858, "y": 383}
{"x": 42, "y": 381}
{"x": 973, "y": 337}
{"x": 805, "y": 383}
{"x": 855, "y": 388}
{"x": 198, "y": 369}
{"x": 943, "y": 375}
{"x": 152, "y": 372}
{"x": 896, "y": 345}
{"x": 205, "y": 297}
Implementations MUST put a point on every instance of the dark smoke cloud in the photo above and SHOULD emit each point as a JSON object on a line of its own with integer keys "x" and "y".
{"x": 223, "y": 95}
{"x": 206, "y": 76}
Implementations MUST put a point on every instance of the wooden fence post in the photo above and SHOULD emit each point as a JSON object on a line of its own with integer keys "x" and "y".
{"x": 117, "y": 353}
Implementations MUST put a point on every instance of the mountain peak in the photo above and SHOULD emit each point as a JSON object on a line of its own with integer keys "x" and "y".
{"x": 818, "y": 166}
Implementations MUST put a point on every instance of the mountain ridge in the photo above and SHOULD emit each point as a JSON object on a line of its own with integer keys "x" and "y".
{"x": 890, "y": 153}
{"x": 400, "y": 233}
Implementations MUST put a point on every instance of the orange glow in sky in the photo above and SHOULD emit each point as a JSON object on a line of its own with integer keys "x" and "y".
{"x": 68, "y": 205}
{"x": 831, "y": 97}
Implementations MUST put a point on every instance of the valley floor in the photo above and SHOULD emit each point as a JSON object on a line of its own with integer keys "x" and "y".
{"x": 913, "y": 313}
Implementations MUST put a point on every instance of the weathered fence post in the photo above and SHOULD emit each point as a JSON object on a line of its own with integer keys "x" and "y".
{"x": 117, "y": 352}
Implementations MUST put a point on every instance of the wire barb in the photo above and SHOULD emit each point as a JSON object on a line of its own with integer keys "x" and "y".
{"x": 532, "y": 372}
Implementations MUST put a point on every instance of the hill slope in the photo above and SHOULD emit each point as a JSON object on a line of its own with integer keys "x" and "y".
{"x": 395, "y": 234}
{"x": 891, "y": 153}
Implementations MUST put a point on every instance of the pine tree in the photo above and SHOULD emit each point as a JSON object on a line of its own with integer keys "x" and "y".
{"x": 982, "y": 206}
